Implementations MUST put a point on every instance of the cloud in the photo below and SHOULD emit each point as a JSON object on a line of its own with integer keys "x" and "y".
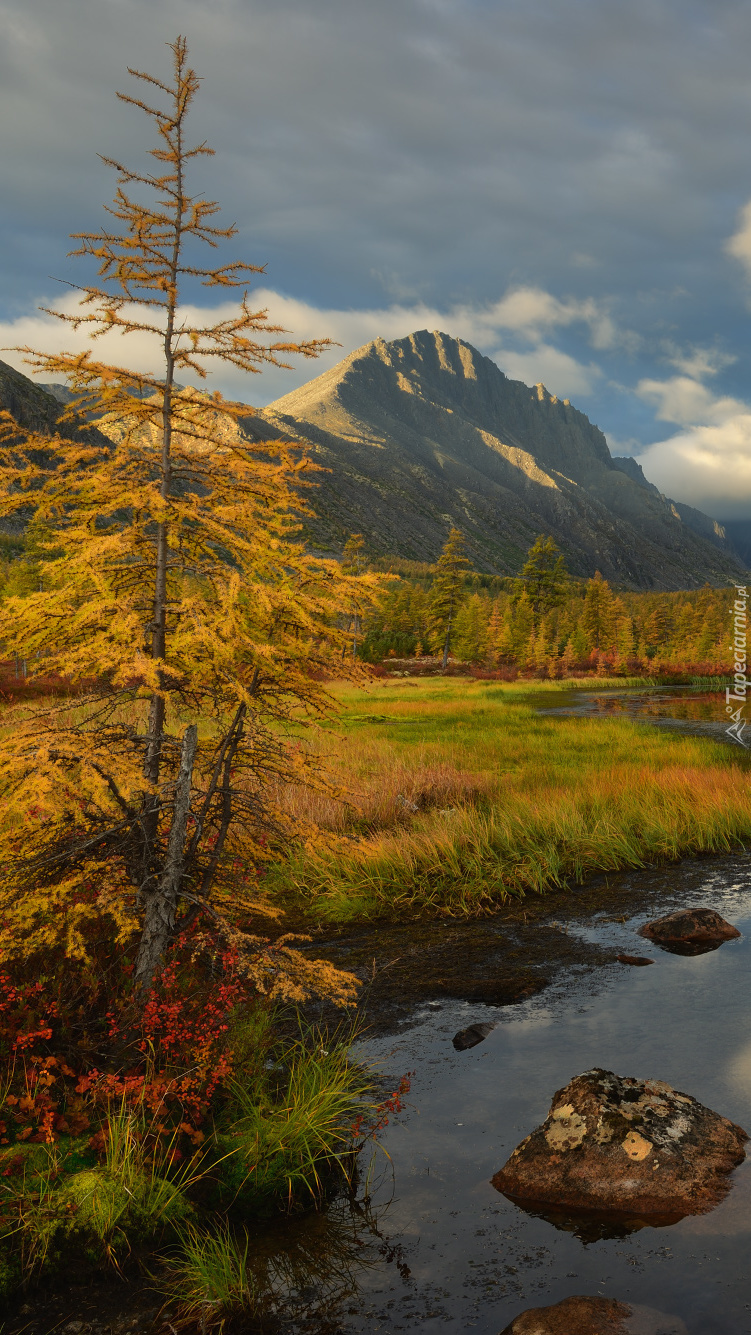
{"x": 739, "y": 244}
{"x": 684, "y": 400}
{"x": 531, "y": 311}
{"x": 524, "y": 313}
{"x": 708, "y": 463}
{"x": 559, "y": 372}
{"x": 705, "y": 466}
{"x": 698, "y": 363}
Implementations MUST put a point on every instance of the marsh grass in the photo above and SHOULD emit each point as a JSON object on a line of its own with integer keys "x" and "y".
{"x": 287, "y": 1134}
{"x": 211, "y": 1276}
{"x": 105, "y": 1208}
{"x": 303, "y": 1265}
{"x": 468, "y": 797}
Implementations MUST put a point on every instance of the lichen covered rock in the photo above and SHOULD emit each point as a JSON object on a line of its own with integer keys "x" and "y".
{"x": 594, "y": 1316}
{"x": 624, "y": 1148}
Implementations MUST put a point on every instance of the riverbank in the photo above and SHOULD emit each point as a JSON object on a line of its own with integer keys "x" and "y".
{"x": 464, "y": 797}
{"x": 338, "y": 1269}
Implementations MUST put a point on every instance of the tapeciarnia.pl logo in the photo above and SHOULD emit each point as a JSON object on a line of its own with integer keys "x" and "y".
{"x": 738, "y": 694}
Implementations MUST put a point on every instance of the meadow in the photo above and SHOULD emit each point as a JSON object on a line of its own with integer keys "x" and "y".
{"x": 462, "y": 796}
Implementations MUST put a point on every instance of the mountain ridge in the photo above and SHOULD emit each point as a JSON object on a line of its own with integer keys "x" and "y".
{"x": 425, "y": 431}
{"x": 418, "y": 434}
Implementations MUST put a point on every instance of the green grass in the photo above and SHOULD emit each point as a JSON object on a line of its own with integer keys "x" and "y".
{"x": 211, "y": 1275}
{"x": 468, "y": 796}
{"x": 287, "y": 1133}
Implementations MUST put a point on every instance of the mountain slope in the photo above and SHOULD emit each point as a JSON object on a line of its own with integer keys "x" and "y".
{"x": 424, "y": 431}
{"x": 34, "y": 407}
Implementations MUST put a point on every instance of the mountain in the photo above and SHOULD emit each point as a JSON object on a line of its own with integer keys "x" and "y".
{"x": 37, "y": 409}
{"x": 424, "y": 432}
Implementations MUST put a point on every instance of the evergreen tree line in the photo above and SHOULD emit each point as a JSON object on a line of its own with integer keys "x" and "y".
{"x": 545, "y": 623}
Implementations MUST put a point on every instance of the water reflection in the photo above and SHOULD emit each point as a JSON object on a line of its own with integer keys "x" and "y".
{"x": 595, "y": 1225}
{"x": 477, "y": 1259}
{"x": 308, "y": 1267}
{"x": 688, "y": 707}
{"x": 688, "y": 948}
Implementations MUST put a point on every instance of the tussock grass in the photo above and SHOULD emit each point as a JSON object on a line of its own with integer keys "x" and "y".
{"x": 102, "y": 1209}
{"x": 525, "y": 802}
{"x": 211, "y": 1276}
{"x": 289, "y": 1132}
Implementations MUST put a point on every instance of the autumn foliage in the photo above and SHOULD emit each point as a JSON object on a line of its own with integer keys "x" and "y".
{"x": 175, "y": 596}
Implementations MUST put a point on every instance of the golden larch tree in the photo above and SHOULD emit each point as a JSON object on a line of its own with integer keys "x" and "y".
{"x": 175, "y": 594}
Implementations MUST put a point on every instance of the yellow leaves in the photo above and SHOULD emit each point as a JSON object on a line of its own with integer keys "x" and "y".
{"x": 169, "y": 567}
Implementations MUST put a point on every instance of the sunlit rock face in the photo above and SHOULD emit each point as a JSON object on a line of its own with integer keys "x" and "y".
{"x": 424, "y": 431}
{"x": 594, "y": 1316}
{"x": 631, "y": 1150}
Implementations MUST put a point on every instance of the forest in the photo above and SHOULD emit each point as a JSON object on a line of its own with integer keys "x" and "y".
{"x": 566, "y": 627}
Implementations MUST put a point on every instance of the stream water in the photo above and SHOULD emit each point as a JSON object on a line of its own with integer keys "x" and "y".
{"x": 446, "y": 1252}
{"x": 684, "y": 708}
{"x": 428, "y": 1244}
{"x": 475, "y": 1260}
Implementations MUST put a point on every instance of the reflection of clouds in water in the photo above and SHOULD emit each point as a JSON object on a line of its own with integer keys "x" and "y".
{"x": 542, "y": 1017}
{"x": 730, "y": 1218}
{"x": 739, "y": 1069}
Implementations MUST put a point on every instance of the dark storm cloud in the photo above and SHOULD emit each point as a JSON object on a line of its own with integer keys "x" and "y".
{"x": 433, "y": 153}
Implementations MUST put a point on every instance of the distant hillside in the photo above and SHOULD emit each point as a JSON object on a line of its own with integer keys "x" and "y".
{"x": 424, "y": 432}
{"x": 37, "y": 409}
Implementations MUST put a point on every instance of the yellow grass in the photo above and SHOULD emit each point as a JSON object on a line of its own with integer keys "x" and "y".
{"x": 465, "y": 795}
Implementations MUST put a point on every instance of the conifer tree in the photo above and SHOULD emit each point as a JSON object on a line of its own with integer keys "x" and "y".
{"x": 352, "y": 564}
{"x": 568, "y": 659}
{"x": 543, "y": 576}
{"x": 175, "y": 594}
{"x": 623, "y": 638}
{"x": 446, "y": 591}
{"x": 495, "y": 635}
{"x": 597, "y": 618}
{"x": 523, "y": 625}
{"x": 472, "y": 630}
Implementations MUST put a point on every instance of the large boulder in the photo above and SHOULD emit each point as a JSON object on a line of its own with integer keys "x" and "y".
{"x": 689, "y": 931}
{"x": 620, "y": 1149}
{"x": 594, "y": 1316}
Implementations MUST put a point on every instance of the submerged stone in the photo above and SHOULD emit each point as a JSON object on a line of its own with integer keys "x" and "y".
{"x": 594, "y": 1316}
{"x": 471, "y": 1036}
{"x": 637, "y": 960}
{"x": 689, "y": 931}
{"x": 624, "y": 1150}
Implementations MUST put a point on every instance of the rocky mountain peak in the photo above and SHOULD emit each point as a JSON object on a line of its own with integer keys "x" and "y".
{"x": 423, "y": 429}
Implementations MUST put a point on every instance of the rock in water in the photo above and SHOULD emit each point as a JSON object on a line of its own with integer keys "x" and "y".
{"x": 624, "y": 1149}
{"x": 471, "y": 1036}
{"x": 594, "y": 1316}
{"x": 690, "y": 931}
{"x": 637, "y": 960}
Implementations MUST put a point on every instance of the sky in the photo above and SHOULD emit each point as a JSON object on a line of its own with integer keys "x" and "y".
{"x": 566, "y": 184}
